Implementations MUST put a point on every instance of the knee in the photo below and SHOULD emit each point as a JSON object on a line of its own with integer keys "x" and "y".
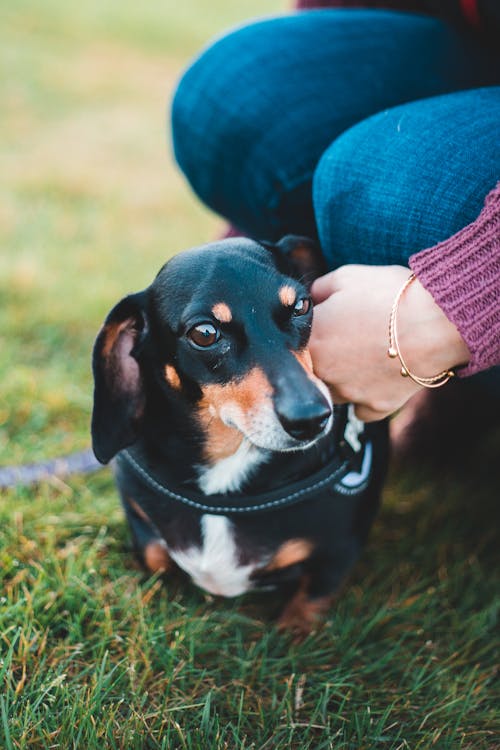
{"x": 401, "y": 180}
{"x": 205, "y": 112}
{"x": 219, "y": 112}
{"x": 342, "y": 205}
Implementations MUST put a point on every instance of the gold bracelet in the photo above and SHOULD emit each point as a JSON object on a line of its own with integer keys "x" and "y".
{"x": 436, "y": 381}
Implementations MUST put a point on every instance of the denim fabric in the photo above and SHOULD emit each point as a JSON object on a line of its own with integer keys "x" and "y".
{"x": 255, "y": 113}
{"x": 407, "y": 178}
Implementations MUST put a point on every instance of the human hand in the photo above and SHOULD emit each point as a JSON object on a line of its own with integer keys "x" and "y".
{"x": 350, "y": 337}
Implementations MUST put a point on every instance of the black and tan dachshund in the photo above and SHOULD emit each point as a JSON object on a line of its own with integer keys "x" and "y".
{"x": 232, "y": 462}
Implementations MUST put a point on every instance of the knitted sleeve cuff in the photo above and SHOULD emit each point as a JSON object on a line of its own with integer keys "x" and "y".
{"x": 463, "y": 275}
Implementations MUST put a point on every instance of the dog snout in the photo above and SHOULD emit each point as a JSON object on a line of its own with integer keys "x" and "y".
{"x": 303, "y": 420}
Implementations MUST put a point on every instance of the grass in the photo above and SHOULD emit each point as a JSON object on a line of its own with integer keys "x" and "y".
{"x": 92, "y": 654}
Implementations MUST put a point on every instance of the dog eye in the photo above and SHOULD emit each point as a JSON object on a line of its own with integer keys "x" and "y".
{"x": 204, "y": 335}
{"x": 302, "y": 306}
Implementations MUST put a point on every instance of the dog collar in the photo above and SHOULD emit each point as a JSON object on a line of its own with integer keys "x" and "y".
{"x": 347, "y": 473}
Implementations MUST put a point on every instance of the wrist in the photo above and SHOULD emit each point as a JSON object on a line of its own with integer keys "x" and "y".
{"x": 429, "y": 340}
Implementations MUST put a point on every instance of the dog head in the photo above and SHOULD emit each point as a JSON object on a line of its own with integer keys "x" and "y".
{"x": 217, "y": 345}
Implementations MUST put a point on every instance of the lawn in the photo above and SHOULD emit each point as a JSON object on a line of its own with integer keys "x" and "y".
{"x": 92, "y": 653}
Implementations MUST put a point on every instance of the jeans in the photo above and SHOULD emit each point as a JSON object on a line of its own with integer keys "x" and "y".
{"x": 376, "y": 131}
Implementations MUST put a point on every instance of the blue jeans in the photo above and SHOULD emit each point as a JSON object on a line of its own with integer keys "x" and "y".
{"x": 376, "y": 131}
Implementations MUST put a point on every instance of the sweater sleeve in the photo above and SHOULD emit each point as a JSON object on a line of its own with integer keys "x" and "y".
{"x": 463, "y": 275}
{"x": 481, "y": 15}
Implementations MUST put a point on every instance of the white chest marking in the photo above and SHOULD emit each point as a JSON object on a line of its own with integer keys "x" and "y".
{"x": 214, "y": 566}
{"x": 228, "y": 474}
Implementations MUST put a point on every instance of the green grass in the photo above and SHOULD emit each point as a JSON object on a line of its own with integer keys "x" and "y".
{"x": 92, "y": 654}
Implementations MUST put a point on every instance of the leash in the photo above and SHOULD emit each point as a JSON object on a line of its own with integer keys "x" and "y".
{"x": 83, "y": 462}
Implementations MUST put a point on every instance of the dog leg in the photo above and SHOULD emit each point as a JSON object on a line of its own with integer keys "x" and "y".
{"x": 149, "y": 547}
{"x": 303, "y": 611}
{"x": 316, "y": 590}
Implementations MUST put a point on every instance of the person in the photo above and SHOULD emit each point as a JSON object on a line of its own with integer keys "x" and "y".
{"x": 376, "y": 131}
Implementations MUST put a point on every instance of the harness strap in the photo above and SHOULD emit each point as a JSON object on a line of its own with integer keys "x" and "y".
{"x": 347, "y": 464}
{"x": 254, "y": 503}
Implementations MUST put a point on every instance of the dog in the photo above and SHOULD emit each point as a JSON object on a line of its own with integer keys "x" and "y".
{"x": 231, "y": 461}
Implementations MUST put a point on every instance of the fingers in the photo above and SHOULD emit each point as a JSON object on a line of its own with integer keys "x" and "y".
{"x": 337, "y": 398}
{"x": 363, "y": 412}
{"x": 335, "y": 281}
{"x": 369, "y": 415}
{"x": 324, "y": 286}
{"x": 348, "y": 342}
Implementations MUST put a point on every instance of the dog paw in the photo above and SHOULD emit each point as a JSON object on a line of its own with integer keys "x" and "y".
{"x": 302, "y": 615}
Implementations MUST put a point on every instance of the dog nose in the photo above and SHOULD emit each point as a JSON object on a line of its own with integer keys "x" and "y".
{"x": 305, "y": 421}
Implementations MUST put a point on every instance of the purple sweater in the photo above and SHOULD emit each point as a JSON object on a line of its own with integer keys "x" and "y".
{"x": 463, "y": 275}
{"x": 463, "y": 272}
{"x": 482, "y": 15}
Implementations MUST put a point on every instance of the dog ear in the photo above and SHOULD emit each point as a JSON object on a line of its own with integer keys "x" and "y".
{"x": 119, "y": 398}
{"x": 302, "y": 257}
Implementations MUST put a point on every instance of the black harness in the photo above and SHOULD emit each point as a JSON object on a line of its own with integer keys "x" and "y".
{"x": 348, "y": 472}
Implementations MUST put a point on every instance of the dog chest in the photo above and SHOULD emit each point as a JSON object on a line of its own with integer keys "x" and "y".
{"x": 214, "y": 565}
